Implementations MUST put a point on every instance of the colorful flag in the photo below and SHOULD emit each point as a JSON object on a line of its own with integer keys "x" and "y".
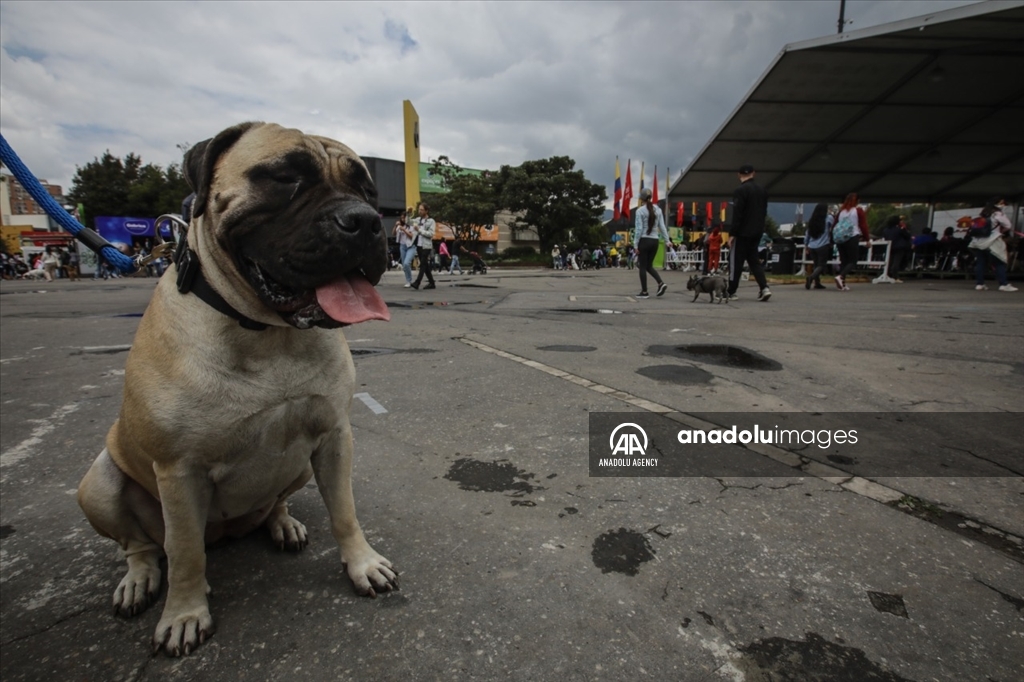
{"x": 679, "y": 214}
{"x": 722, "y": 208}
{"x": 654, "y": 184}
{"x": 618, "y": 191}
{"x": 709, "y": 213}
{"x": 627, "y": 192}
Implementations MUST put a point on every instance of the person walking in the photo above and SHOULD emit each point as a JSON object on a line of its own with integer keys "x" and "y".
{"x": 749, "y": 211}
{"x": 50, "y": 262}
{"x": 992, "y": 245}
{"x": 648, "y": 231}
{"x": 819, "y": 244}
{"x": 73, "y": 263}
{"x": 714, "y": 242}
{"x": 406, "y": 247}
{"x": 456, "y": 248}
{"x": 851, "y": 226}
{"x": 443, "y": 255}
{"x": 424, "y": 245}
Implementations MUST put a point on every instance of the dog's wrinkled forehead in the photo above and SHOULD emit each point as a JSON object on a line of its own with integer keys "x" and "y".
{"x": 271, "y": 148}
{"x": 249, "y": 151}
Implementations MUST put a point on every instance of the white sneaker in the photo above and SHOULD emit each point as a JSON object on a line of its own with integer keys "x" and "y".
{"x": 764, "y": 294}
{"x": 1007, "y": 287}
{"x": 407, "y": 285}
{"x": 980, "y": 287}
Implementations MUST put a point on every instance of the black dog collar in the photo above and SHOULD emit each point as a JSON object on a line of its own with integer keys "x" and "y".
{"x": 191, "y": 280}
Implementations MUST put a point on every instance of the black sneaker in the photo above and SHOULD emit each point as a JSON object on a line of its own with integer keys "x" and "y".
{"x": 415, "y": 285}
{"x": 643, "y": 294}
{"x": 662, "y": 288}
{"x": 430, "y": 286}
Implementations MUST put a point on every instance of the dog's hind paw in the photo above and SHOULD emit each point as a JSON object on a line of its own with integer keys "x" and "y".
{"x": 287, "y": 532}
{"x": 139, "y": 588}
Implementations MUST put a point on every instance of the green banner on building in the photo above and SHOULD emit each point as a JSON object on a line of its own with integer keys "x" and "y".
{"x": 431, "y": 184}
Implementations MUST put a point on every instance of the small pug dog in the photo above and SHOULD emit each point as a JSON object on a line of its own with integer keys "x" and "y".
{"x": 239, "y": 382}
{"x": 714, "y": 286}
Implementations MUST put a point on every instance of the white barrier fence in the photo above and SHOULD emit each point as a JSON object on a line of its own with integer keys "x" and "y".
{"x": 872, "y": 257}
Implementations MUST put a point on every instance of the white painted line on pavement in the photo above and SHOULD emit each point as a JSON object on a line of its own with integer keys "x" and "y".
{"x": 27, "y": 447}
{"x": 374, "y": 406}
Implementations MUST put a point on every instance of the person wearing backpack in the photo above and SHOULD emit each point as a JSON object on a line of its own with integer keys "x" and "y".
{"x": 851, "y": 226}
{"x": 987, "y": 240}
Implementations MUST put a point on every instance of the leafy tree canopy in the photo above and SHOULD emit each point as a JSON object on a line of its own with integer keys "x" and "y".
{"x": 110, "y": 186}
{"x": 551, "y": 198}
{"x": 469, "y": 203}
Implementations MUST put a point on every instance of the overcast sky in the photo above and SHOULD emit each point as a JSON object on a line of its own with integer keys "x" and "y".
{"x": 494, "y": 82}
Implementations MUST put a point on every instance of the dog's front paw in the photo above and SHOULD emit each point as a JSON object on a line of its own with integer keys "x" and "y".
{"x": 180, "y": 633}
{"x": 370, "y": 572}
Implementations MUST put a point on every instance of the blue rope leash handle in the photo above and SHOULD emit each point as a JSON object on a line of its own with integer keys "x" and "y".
{"x": 57, "y": 212}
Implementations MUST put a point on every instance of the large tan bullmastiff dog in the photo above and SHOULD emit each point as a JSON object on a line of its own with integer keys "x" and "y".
{"x": 239, "y": 382}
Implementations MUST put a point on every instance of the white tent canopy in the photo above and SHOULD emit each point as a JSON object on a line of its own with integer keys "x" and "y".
{"x": 923, "y": 110}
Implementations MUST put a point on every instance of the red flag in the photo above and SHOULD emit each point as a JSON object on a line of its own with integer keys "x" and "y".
{"x": 679, "y": 214}
{"x": 627, "y": 192}
{"x": 618, "y": 191}
{"x": 654, "y": 190}
{"x": 709, "y": 214}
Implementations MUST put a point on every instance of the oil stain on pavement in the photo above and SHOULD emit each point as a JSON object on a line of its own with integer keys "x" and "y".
{"x": 621, "y": 551}
{"x": 721, "y": 355}
{"x": 816, "y": 660}
{"x": 492, "y": 477}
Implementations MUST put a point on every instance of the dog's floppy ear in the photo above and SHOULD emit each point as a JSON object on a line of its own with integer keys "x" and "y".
{"x": 200, "y": 159}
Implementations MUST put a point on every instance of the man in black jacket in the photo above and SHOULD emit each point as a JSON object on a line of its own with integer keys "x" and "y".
{"x": 749, "y": 209}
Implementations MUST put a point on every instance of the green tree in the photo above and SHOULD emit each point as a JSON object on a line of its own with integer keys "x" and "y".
{"x": 102, "y": 187}
{"x": 468, "y": 204}
{"x": 109, "y": 186}
{"x": 551, "y": 198}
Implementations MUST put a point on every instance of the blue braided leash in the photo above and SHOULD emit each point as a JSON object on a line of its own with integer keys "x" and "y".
{"x": 57, "y": 212}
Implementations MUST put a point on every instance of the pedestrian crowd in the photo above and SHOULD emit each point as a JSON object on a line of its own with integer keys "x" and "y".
{"x": 52, "y": 263}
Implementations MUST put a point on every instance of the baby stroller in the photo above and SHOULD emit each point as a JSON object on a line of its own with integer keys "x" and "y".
{"x": 479, "y": 266}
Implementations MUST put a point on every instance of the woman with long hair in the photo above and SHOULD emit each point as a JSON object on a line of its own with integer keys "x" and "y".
{"x": 648, "y": 232}
{"x": 819, "y": 244}
{"x": 850, "y": 227}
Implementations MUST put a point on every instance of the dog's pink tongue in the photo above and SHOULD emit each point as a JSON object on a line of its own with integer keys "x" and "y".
{"x": 352, "y": 299}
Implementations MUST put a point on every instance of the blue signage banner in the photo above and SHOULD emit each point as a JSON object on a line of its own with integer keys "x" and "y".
{"x": 121, "y": 230}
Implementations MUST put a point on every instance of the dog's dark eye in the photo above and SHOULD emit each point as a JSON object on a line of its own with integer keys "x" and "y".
{"x": 286, "y": 178}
